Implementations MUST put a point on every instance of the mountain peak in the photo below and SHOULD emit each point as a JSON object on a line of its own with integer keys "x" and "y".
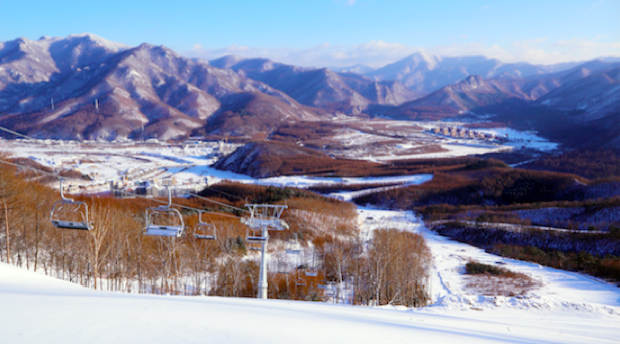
{"x": 471, "y": 82}
{"x": 422, "y": 56}
{"x": 474, "y": 79}
{"x": 94, "y": 39}
{"x": 226, "y": 61}
{"x": 357, "y": 69}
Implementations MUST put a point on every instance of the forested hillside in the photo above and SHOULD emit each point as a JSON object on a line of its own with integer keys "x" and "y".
{"x": 115, "y": 255}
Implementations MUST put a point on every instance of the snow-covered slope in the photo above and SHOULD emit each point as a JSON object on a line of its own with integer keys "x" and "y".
{"x": 86, "y": 87}
{"x": 568, "y": 308}
{"x": 323, "y": 88}
{"x": 595, "y": 94}
{"x": 358, "y": 69}
{"x": 425, "y": 73}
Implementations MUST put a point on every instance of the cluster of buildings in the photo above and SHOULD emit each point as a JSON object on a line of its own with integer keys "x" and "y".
{"x": 466, "y": 133}
{"x": 155, "y": 188}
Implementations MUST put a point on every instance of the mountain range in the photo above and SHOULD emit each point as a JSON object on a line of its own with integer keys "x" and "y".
{"x": 86, "y": 87}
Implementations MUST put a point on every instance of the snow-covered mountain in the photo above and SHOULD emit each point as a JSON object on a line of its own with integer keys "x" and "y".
{"x": 471, "y": 93}
{"x": 357, "y": 69}
{"x": 425, "y": 73}
{"x": 594, "y": 95}
{"x": 323, "y": 88}
{"x": 86, "y": 87}
{"x": 589, "y": 105}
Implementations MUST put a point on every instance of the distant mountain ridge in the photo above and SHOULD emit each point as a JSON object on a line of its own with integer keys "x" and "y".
{"x": 86, "y": 87}
{"x": 424, "y": 73}
{"x": 324, "y": 88}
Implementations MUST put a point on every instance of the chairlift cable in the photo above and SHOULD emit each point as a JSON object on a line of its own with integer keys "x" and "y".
{"x": 129, "y": 193}
{"x": 56, "y": 175}
{"x": 193, "y": 194}
{"x": 31, "y": 168}
{"x": 225, "y": 193}
{"x": 180, "y": 205}
{"x": 216, "y": 202}
{"x": 16, "y": 133}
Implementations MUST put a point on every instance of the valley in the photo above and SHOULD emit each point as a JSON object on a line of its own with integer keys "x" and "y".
{"x": 84, "y": 87}
{"x": 441, "y": 198}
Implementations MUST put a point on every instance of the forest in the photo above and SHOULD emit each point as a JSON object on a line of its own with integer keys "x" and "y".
{"x": 600, "y": 164}
{"x": 391, "y": 268}
{"x": 597, "y": 254}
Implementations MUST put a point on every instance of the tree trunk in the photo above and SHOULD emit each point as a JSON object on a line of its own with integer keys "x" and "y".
{"x": 8, "y": 242}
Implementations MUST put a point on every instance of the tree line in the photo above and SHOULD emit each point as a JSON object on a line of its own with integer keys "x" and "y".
{"x": 391, "y": 268}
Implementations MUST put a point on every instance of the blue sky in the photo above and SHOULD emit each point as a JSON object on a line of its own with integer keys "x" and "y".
{"x": 335, "y": 32}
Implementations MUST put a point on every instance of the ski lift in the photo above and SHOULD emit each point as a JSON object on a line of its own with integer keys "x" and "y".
{"x": 283, "y": 268}
{"x": 70, "y": 214}
{"x": 164, "y": 220}
{"x": 292, "y": 245}
{"x": 253, "y": 235}
{"x": 265, "y": 216}
{"x": 256, "y": 238}
{"x": 300, "y": 282}
{"x": 205, "y": 230}
{"x": 254, "y": 246}
{"x": 311, "y": 272}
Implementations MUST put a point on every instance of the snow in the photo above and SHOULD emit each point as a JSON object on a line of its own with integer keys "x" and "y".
{"x": 516, "y": 139}
{"x": 527, "y": 139}
{"x": 305, "y": 182}
{"x": 561, "y": 289}
{"x": 186, "y": 163}
{"x": 568, "y": 308}
{"x": 457, "y": 149}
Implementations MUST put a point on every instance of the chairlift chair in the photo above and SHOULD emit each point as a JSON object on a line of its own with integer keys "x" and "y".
{"x": 254, "y": 246}
{"x": 311, "y": 272}
{"x": 70, "y": 214}
{"x": 164, "y": 220}
{"x": 300, "y": 282}
{"x": 293, "y": 246}
{"x": 255, "y": 238}
{"x": 253, "y": 235}
{"x": 203, "y": 230}
{"x": 283, "y": 268}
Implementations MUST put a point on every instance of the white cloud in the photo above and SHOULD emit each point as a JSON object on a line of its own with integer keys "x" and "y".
{"x": 380, "y": 53}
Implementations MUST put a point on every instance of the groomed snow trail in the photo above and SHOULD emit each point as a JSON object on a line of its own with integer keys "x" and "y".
{"x": 39, "y": 309}
{"x": 560, "y": 288}
{"x": 569, "y": 308}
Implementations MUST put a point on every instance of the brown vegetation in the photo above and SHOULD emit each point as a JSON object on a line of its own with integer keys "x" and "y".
{"x": 589, "y": 164}
{"x": 595, "y": 254}
{"x": 270, "y": 158}
{"x": 491, "y": 280}
{"x": 116, "y": 256}
{"x": 481, "y": 184}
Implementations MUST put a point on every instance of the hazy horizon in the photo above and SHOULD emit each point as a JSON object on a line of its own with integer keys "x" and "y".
{"x": 337, "y": 33}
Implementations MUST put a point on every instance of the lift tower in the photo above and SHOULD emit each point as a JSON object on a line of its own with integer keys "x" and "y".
{"x": 262, "y": 219}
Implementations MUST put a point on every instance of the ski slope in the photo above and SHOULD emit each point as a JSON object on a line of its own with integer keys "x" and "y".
{"x": 568, "y": 308}
{"x": 39, "y": 309}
